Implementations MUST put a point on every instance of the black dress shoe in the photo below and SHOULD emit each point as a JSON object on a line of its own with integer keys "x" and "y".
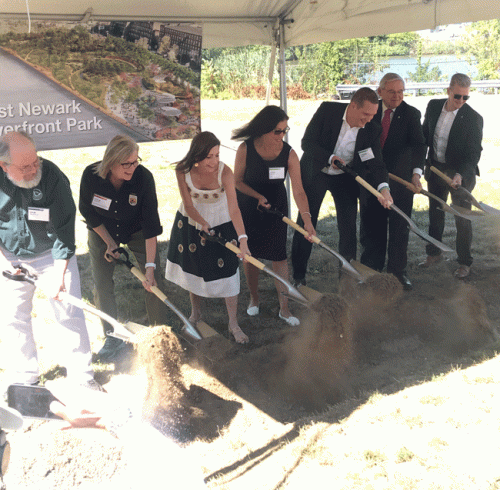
{"x": 405, "y": 281}
{"x": 299, "y": 282}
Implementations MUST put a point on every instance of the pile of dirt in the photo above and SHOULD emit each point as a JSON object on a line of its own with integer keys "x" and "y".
{"x": 160, "y": 355}
{"x": 319, "y": 355}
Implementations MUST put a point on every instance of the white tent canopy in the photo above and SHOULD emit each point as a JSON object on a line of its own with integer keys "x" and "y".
{"x": 243, "y": 22}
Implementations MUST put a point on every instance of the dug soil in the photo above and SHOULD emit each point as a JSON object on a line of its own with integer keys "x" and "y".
{"x": 356, "y": 340}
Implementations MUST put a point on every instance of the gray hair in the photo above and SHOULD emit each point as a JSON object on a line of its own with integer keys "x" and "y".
{"x": 390, "y": 77}
{"x": 117, "y": 151}
{"x": 5, "y": 155}
{"x": 461, "y": 80}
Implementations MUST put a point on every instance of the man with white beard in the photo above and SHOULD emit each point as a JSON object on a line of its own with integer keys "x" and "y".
{"x": 37, "y": 229}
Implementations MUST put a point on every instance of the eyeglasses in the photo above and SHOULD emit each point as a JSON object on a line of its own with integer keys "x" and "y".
{"x": 129, "y": 164}
{"x": 458, "y": 97}
{"x": 281, "y": 131}
{"x": 28, "y": 168}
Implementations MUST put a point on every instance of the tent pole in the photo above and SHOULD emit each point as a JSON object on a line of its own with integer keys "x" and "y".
{"x": 283, "y": 101}
{"x": 270, "y": 74}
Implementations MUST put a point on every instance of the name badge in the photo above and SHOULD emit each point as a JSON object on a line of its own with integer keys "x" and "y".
{"x": 276, "y": 173}
{"x": 38, "y": 214}
{"x": 101, "y": 202}
{"x": 366, "y": 154}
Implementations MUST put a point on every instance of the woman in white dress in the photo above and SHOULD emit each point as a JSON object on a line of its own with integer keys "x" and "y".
{"x": 204, "y": 268}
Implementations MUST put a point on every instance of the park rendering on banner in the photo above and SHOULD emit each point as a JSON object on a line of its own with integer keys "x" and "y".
{"x": 69, "y": 85}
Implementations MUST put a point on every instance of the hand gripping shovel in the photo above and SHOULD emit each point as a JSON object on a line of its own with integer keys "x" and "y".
{"x": 191, "y": 332}
{"x": 467, "y": 195}
{"x": 413, "y": 226}
{"x": 344, "y": 263}
{"x": 291, "y": 293}
{"x": 457, "y": 211}
{"x": 125, "y": 332}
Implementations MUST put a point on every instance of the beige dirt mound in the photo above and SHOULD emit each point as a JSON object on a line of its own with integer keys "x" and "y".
{"x": 319, "y": 355}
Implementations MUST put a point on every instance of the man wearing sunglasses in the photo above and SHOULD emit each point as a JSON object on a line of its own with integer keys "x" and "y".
{"x": 453, "y": 133}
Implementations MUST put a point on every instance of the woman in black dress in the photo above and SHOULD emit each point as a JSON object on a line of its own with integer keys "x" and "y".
{"x": 262, "y": 162}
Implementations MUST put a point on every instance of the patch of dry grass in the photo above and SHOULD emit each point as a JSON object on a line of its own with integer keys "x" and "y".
{"x": 440, "y": 434}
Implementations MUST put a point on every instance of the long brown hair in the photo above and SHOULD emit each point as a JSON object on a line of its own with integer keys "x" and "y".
{"x": 200, "y": 148}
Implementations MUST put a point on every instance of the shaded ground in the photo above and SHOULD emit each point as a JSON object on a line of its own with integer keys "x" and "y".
{"x": 356, "y": 341}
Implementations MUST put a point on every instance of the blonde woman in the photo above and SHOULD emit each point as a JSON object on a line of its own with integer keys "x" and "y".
{"x": 119, "y": 205}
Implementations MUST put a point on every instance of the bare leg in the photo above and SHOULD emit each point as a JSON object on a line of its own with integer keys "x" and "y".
{"x": 252, "y": 275}
{"x": 196, "y": 304}
{"x": 234, "y": 328}
{"x": 281, "y": 268}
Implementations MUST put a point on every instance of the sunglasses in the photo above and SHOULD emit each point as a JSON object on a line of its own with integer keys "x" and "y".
{"x": 281, "y": 131}
{"x": 129, "y": 164}
{"x": 458, "y": 97}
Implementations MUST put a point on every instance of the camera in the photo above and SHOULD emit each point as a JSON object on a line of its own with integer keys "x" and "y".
{"x": 31, "y": 401}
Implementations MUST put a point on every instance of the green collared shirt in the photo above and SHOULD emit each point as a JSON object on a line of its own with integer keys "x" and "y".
{"x": 33, "y": 221}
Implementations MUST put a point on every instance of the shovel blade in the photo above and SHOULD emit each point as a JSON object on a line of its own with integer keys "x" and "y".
{"x": 344, "y": 263}
{"x": 365, "y": 271}
{"x": 429, "y": 239}
{"x": 420, "y": 233}
{"x": 205, "y": 330}
{"x": 311, "y": 294}
{"x": 469, "y": 214}
{"x": 489, "y": 209}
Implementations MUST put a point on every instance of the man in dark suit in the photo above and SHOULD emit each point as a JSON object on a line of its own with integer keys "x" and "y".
{"x": 453, "y": 133}
{"x": 403, "y": 151}
{"x": 340, "y": 132}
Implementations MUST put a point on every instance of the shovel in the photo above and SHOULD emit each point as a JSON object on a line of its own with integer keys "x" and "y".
{"x": 413, "y": 226}
{"x": 468, "y": 196}
{"x": 123, "y": 332}
{"x": 457, "y": 211}
{"x": 469, "y": 213}
{"x": 189, "y": 330}
{"x": 345, "y": 265}
{"x": 292, "y": 292}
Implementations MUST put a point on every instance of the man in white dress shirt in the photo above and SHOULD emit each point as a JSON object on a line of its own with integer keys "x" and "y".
{"x": 453, "y": 133}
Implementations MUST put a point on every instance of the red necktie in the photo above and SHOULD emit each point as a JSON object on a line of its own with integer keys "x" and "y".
{"x": 386, "y": 122}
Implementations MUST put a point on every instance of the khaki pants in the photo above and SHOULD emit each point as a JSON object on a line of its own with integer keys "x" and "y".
{"x": 18, "y": 351}
{"x": 104, "y": 286}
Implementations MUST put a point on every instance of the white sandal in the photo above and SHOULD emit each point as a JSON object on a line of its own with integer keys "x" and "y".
{"x": 291, "y": 320}
{"x": 253, "y": 310}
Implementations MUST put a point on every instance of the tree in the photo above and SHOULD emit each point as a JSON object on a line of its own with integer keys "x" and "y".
{"x": 422, "y": 73}
{"x": 482, "y": 45}
{"x": 164, "y": 45}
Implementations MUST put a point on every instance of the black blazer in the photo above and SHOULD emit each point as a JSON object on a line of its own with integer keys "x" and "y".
{"x": 321, "y": 137}
{"x": 404, "y": 148}
{"x": 464, "y": 143}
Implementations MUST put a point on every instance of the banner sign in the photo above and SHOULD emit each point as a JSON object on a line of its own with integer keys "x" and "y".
{"x": 72, "y": 85}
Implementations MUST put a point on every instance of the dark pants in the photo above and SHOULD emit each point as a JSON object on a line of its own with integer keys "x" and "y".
{"x": 345, "y": 192}
{"x": 436, "y": 185}
{"x": 375, "y": 221}
{"x": 104, "y": 285}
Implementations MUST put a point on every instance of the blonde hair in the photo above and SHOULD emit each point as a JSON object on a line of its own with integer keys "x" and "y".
{"x": 117, "y": 151}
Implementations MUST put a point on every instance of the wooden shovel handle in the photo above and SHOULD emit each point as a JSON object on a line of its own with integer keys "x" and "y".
{"x": 248, "y": 258}
{"x": 368, "y": 186}
{"x": 407, "y": 184}
{"x": 299, "y": 228}
{"x": 154, "y": 289}
{"x": 447, "y": 179}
